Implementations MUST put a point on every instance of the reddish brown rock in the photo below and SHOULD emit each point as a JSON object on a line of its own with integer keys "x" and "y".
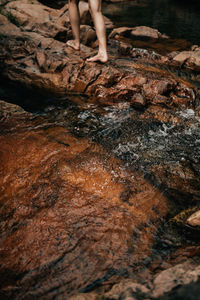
{"x": 35, "y": 17}
{"x": 120, "y": 31}
{"x": 8, "y": 28}
{"x": 71, "y": 213}
{"x": 69, "y": 210}
{"x": 36, "y": 59}
{"x": 87, "y": 35}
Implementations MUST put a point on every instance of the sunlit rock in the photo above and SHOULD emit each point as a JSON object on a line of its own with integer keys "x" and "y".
{"x": 148, "y": 32}
{"x": 194, "y": 219}
{"x": 142, "y": 31}
{"x": 180, "y": 274}
{"x": 190, "y": 58}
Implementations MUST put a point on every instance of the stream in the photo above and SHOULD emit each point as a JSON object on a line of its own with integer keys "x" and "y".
{"x": 90, "y": 192}
{"x": 100, "y": 188}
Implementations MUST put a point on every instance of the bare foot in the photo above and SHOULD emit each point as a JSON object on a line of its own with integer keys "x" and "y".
{"x": 99, "y": 57}
{"x": 73, "y": 44}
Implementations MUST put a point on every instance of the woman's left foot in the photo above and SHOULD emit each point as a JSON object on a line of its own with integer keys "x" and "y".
{"x": 73, "y": 44}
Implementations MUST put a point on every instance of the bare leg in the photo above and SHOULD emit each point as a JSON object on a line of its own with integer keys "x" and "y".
{"x": 74, "y": 17}
{"x": 95, "y": 6}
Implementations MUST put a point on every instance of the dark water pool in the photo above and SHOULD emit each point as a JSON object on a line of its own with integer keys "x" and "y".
{"x": 176, "y": 18}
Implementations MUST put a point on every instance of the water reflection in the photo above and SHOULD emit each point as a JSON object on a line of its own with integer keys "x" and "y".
{"x": 175, "y": 18}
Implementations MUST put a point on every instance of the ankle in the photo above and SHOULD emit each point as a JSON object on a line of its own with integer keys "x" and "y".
{"x": 103, "y": 53}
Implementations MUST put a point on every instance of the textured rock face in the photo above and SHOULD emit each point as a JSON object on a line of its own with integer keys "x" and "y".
{"x": 63, "y": 198}
{"x": 178, "y": 282}
{"x": 179, "y": 275}
{"x": 194, "y": 219}
{"x": 8, "y": 28}
{"x": 190, "y": 58}
{"x": 38, "y": 59}
{"x": 70, "y": 213}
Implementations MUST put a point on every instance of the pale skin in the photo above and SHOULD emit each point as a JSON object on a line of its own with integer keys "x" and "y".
{"x": 95, "y": 8}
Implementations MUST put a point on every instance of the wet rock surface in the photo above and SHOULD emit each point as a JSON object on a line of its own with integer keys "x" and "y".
{"x": 40, "y": 58}
{"x": 85, "y": 189}
{"x": 71, "y": 215}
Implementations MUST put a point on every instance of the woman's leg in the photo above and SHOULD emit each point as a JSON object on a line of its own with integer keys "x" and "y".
{"x": 95, "y": 7}
{"x": 74, "y": 17}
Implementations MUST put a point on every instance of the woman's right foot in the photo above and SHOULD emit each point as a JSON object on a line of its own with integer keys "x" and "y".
{"x": 101, "y": 57}
{"x": 73, "y": 44}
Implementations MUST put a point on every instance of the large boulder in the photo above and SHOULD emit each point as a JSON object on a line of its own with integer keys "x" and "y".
{"x": 35, "y": 17}
{"x": 72, "y": 215}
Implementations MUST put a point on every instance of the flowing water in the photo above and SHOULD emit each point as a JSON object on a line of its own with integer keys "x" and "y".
{"x": 86, "y": 193}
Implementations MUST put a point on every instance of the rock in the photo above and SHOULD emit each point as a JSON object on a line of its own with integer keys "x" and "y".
{"x": 88, "y": 296}
{"x": 8, "y": 28}
{"x": 158, "y": 89}
{"x": 195, "y": 48}
{"x": 87, "y": 35}
{"x": 182, "y": 56}
{"x": 108, "y": 23}
{"x": 190, "y": 58}
{"x": 141, "y": 81}
{"x": 138, "y": 100}
{"x": 126, "y": 288}
{"x": 36, "y": 18}
{"x": 52, "y": 231}
{"x": 8, "y": 110}
{"x": 39, "y": 59}
{"x": 71, "y": 211}
{"x": 120, "y": 31}
{"x": 143, "y": 31}
{"x": 125, "y": 49}
{"x": 184, "y": 292}
{"x": 194, "y": 219}
{"x": 147, "y": 32}
{"x": 181, "y": 274}
{"x": 85, "y": 16}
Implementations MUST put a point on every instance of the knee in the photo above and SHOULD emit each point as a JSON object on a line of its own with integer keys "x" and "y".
{"x": 94, "y": 9}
